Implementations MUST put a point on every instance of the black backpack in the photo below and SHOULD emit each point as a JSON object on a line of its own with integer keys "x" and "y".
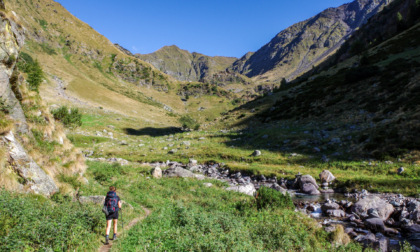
{"x": 111, "y": 202}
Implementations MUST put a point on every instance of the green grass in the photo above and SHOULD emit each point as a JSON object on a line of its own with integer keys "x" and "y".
{"x": 186, "y": 215}
{"x": 235, "y": 149}
{"x": 33, "y": 223}
{"x": 82, "y": 141}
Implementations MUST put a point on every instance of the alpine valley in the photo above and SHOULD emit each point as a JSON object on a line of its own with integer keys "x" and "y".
{"x": 311, "y": 143}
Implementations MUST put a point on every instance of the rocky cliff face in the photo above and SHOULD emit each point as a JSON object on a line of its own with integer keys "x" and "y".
{"x": 185, "y": 66}
{"x": 20, "y": 154}
{"x": 298, "y": 48}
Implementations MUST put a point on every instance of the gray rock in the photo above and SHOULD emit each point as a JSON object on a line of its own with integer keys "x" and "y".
{"x": 192, "y": 162}
{"x": 335, "y": 213}
{"x": 157, "y": 172}
{"x": 329, "y": 229}
{"x": 178, "y": 172}
{"x": 208, "y": 184}
{"x": 326, "y": 176}
{"x": 97, "y": 199}
{"x": 413, "y": 206}
{"x": 373, "y": 213}
{"x": 39, "y": 182}
{"x": 256, "y": 153}
{"x": 367, "y": 240}
{"x": 383, "y": 208}
{"x": 307, "y": 179}
{"x": 248, "y": 189}
{"x": 375, "y": 224}
{"x": 309, "y": 189}
{"x": 277, "y": 187}
{"x": 123, "y": 142}
{"x": 330, "y": 206}
{"x": 173, "y": 151}
{"x": 382, "y": 244}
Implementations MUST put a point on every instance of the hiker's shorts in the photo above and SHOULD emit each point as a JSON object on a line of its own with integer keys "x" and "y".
{"x": 113, "y": 216}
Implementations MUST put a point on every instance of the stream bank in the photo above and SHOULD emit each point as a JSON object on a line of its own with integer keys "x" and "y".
{"x": 380, "y": 221}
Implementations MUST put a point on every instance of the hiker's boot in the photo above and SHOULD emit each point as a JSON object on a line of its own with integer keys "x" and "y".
{"x": 114, "y": 237}
{"x": 107, "y": 240}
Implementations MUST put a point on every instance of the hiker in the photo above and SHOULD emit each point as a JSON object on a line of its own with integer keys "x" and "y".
{"x": 113, "y": 204}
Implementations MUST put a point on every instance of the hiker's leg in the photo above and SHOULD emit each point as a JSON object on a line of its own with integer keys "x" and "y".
{"x": 115, "y": 225}
{"x": 108, "y": 226}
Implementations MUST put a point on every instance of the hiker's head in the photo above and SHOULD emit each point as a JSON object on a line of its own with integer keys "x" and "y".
{"x": 112, "y": 188}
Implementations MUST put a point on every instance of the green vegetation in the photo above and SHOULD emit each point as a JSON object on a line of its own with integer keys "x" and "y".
{"x": 45, "y": 146}
{"x": 81, "y": 141}
{"x": 186, "y": 215}
{"x": 32, "y": 67}
{"x": 47, "y": 49}
{"x": 43, "y": 23}
{"x": 189, "y": 123}
{"x": 33, "y": 223}
{"x": 69, "y": 117}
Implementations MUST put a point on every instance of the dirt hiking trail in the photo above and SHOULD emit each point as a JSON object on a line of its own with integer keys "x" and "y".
{"x": 107, "y": 248}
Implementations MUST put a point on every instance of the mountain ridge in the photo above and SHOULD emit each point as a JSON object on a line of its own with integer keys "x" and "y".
{"x": 296, "y": 49}
{"x": 184, "y": 65}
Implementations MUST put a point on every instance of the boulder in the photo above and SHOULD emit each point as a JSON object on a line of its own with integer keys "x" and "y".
{"x": 248, "y": 189}
{"x": 326, "y": 176}
{"x": 367, "y": 240}
{"x": 375, "y": 224}
{"x": 330, "y": 206}
{"x": 413, "y": 206}
{"x": 256, "y": 153}
{"x": 383, "y": 208}
{"x": 277, "y": 187}
{"x": 208, "y": 184}
{"x": 335, "y": 213}
{"x": 309, "y": 189}
{"x": 382, "y": 244}
{"x": 157, "y": 172}
{"x": 178, "y": 172}
{"x": 307, "y": 179}
{"x": 373, "y": 213}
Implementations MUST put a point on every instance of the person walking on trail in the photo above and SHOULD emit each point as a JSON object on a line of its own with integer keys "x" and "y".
{"x": 113, "y": 204}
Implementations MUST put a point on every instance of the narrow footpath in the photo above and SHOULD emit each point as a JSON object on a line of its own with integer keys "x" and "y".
{"x": 107, "y": 248}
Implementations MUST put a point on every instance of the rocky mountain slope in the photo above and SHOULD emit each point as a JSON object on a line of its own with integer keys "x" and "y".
{"x": 34, "y": 151}
{"x": 367, "y": 95}
{"x": 186, "y": 66}
{"x": 298, "y": 48}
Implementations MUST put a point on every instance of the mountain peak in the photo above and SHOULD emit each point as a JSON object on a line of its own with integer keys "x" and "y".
{"x": 298, "y": 48}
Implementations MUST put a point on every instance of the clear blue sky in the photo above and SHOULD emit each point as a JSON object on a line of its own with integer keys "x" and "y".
{"x": 212, "y": 27}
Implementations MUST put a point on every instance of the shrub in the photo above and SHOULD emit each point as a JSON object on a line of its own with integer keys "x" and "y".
{"x": 33, "y": 223}
{"x": 189, "y": 122}
{"x": 270, "y": 198}
{"x": 68, "y": 117}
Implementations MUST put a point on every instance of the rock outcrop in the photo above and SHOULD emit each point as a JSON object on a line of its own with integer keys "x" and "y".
{"x": 36, "y": 178}
{"x": 383, "y": 208}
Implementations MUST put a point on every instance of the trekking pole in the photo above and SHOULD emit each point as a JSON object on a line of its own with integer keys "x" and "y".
{"x": 122, "y": 223}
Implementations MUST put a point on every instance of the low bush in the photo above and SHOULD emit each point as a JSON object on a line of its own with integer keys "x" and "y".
{"x": 32, "y": 67}
{"x": 189, "y": 122}
{"x": 270, "y": 198}
{"x": 68, "y": 117}
{"x": 32, "y": 223}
